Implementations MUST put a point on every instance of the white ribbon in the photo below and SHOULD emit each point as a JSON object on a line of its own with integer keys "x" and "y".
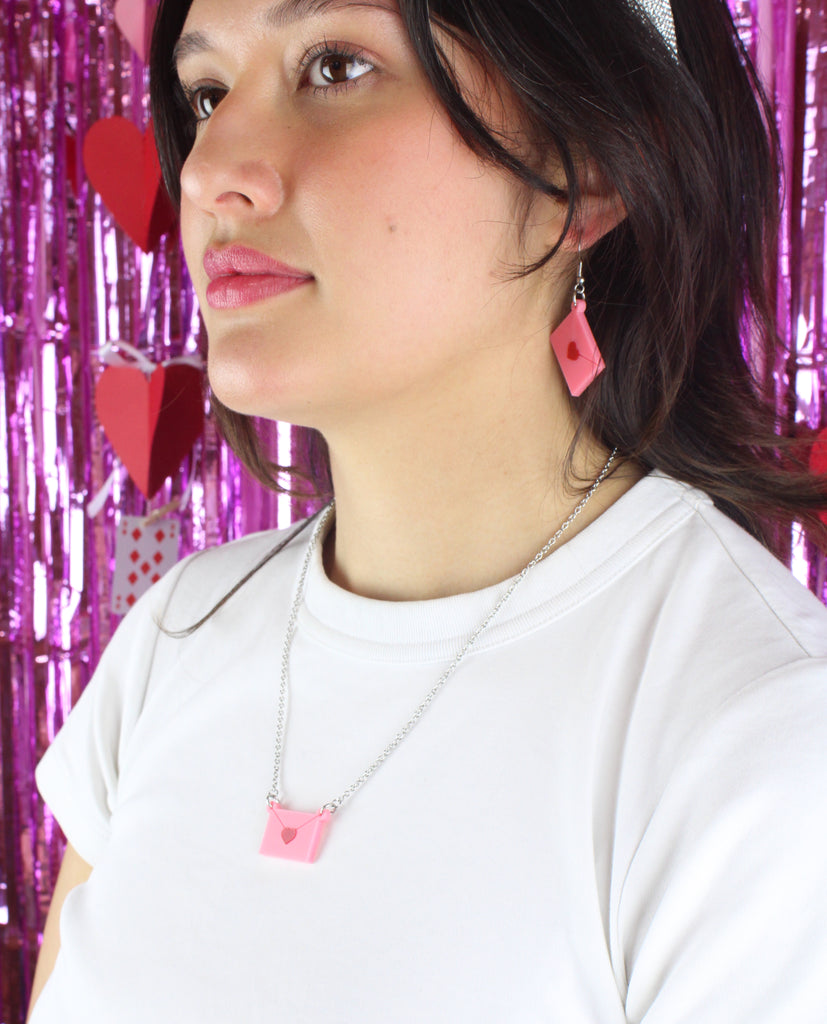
{"x": 109, "y": 354}
{"x": 96, "y": 504}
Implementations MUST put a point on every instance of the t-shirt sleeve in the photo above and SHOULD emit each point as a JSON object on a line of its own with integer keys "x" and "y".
{"x": 78, "y": 775}
{"x": 722, "y": 917}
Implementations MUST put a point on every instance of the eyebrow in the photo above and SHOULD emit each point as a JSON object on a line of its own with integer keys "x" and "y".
{"x": 278, "y": 16}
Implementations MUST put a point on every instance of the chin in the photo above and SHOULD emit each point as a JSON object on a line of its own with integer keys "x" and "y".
{"x": 237, "y": 385}
{"x": 264, "y": 396}
{"x": 258, "y": 371}
{"x": 247, "y": 400}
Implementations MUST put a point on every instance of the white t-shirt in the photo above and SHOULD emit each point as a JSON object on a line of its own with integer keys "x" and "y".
{"x": 616, "y": 810}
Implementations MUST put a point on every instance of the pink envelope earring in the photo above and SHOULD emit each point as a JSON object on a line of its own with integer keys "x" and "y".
{"x": 574, "y": 344}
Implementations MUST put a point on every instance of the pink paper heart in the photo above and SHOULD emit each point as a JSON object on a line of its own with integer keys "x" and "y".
{"x": 135, "y": 19}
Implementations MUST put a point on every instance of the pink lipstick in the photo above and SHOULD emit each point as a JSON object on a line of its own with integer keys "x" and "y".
{"x": 240, "y": 277}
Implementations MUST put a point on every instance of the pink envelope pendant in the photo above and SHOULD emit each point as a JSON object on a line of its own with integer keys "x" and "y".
{"x": 293, "y": 835}
{"x": 576, "y": 350}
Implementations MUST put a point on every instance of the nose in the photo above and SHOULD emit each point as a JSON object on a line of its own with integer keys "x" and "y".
{"x": 228, "y": 171}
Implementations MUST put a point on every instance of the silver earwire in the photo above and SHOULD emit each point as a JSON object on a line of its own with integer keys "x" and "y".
{"x": 580, "y": 285}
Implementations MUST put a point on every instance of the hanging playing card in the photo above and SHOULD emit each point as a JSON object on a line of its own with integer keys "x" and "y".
{"x": 143, "y": 553}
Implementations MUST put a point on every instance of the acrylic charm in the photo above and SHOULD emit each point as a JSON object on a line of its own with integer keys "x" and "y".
{"x": 293, "y": 835}
{"x": 576, "y": 350}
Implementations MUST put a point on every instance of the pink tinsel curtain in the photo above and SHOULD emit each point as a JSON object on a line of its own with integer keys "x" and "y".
{"x": 71, "y": 281}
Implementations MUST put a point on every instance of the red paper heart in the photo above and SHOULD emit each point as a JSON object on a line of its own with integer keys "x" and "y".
{"x": 818, "y": 453}
{"x": 122, "y": 164}
{"x": 573, "y": 351}
{"x": 818, "y": 461}
{"x": 72, "y": 175}
{"x": 135, "y": 19}
{"x": 151, "y": 422}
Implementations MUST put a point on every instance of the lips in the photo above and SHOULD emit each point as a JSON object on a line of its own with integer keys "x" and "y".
{"x": 238, "y": 259}
{"x": 240, "y": 276}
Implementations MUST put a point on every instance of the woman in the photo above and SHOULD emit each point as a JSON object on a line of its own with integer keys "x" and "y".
{"x": 545, "y": 724}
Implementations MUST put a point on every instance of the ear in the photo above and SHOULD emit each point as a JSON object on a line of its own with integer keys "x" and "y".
{"x": 597, "y": 217}
{"x": 599, "y": 210}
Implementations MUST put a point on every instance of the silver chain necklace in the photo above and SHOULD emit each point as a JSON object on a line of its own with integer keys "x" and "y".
{"x": 296, "y": 835}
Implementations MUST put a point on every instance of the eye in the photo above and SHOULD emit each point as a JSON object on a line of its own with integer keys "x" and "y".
{"x": 334, "y": 68}
{"x": 203, "y": 100}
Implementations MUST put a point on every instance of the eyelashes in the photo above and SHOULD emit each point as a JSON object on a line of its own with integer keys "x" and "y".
{"x": 198, "y": 95}
{"x": 327, "y": 70}
{"x": 333, "y": 60}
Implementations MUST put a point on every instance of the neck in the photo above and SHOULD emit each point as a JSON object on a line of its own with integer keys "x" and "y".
{"x": 465, "y": 507}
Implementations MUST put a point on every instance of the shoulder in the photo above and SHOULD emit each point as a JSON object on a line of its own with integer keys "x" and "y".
{"x": 199, "y": 582}
{"x": 241, "y": 556}
{"x": 726, "y": 587}
{"x": 722, "y": 655}
{"x": 155, "y": 645}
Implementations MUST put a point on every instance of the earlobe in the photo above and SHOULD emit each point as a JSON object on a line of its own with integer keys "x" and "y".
{"x": 599, "y": 214}
{"x": 599, "y": 211}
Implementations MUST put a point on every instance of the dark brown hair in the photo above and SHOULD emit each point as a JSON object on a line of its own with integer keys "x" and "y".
{"x": 689, "y": 146}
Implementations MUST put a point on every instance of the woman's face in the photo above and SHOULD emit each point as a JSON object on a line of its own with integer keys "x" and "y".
{"x": 320, "y": 146}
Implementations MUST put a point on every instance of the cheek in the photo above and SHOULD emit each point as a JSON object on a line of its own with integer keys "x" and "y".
{"x": 403, "y": 202}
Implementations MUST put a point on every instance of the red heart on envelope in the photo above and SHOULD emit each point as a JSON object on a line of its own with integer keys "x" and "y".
{"x": 122, "y": 163}
{"x": 151, "y": 422}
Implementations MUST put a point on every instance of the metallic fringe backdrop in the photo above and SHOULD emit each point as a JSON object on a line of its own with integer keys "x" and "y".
{"x": 71, "y": 281}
